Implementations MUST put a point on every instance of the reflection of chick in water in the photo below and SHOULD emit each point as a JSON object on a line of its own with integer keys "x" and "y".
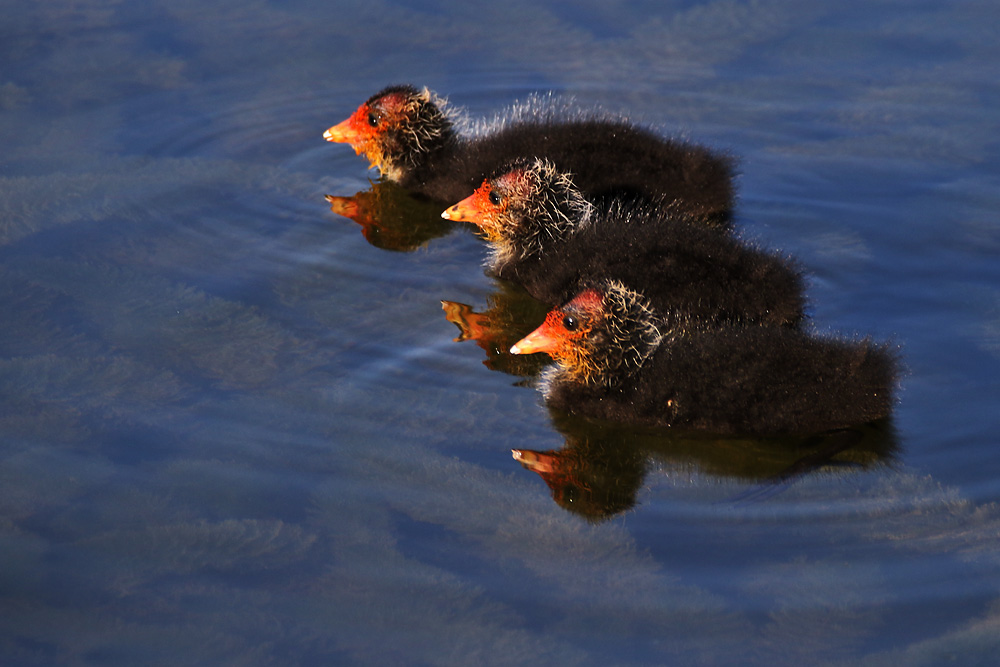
{"x": 601, "y": 468}
{"x": 510, "y": 314}
{"x": 391, "y": 218}
{"x": 593, "y": 478}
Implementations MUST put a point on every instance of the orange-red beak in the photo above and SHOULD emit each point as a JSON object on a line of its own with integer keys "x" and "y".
{"x": 344, "y": 133}
{"x": 464, "y": 211}
{"x": 539, "y": 340}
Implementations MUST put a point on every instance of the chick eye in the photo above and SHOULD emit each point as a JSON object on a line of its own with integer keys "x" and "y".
{"x": 570, "y": 323}
{"x": 495, "y": 198}
{"x": 374, "y": 119}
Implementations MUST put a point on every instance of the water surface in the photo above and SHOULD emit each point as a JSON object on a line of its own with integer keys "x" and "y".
{"x": 236, "y": 428}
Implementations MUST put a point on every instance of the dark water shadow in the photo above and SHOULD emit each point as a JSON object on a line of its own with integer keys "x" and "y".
{"x": 598, "y": 472}
{"x": 393, "y": 218}
{"x": 510, "y": 314}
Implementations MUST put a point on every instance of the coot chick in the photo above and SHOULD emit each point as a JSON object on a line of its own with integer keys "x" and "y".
{"x": 548, "y": 237}
{"x": 410, "y": 135}
{"x": 618, "y": 360}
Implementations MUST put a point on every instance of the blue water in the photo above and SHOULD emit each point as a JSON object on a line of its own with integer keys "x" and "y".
{"x": 235, "y": 427}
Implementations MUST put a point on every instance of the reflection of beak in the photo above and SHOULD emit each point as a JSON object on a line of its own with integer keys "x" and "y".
{"x": 342, "y": 133}
{"x": 345, "y": 206}
{"x": 459, "y": 315}
{"x": 535, "y": 461}
{"x": 464, "y": 211}
{"x": 539, "y": 340}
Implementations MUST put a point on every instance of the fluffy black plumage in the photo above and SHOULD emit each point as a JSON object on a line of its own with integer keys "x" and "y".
{"x": 618, "y": 360}
{"x": 549, "y": 238}
{"x": 411, "y": 137}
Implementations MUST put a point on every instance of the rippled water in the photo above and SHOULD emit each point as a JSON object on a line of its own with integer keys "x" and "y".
{"x": 236, "y": 428}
